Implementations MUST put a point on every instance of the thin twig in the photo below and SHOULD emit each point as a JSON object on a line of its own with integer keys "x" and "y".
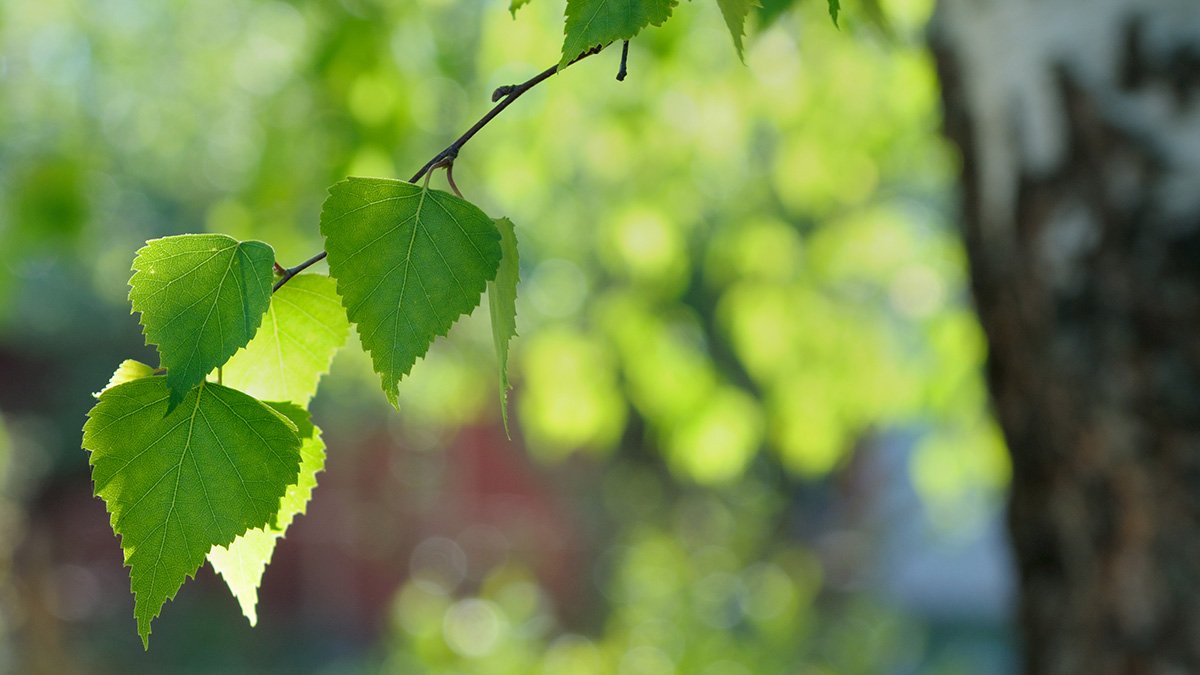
{"x": 505, "y": 95}
{"x": 623, "y": 71}
{"x": 293, "y": 271}
{"x": 510, "y": 94}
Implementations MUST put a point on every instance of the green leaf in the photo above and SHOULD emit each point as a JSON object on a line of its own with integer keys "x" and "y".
{"x": 301, "y": 332}
{"x": 835, "y": 6}
{"x": 202, "y": 297}
{"x": 514, "y": 5}
{"x": 735, "y": 12}
{"x": 244, "y": 561}
{"x": 176, "y": 484}
{"x": 128, "y": 371}
{"x": 599, "y": 22}
{"x": 502, "y": 303}
{"x": 408, "y": 262}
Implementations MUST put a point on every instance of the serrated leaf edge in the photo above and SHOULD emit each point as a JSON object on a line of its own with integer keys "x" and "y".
{"x": 391, "y": 389}
{"x": 125, "y": 553}
{"x": 175, "y": 396}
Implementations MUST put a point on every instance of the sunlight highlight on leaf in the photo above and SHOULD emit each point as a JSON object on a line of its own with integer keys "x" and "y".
{"x": 242, "y": 563}
{"x": 303, "y": 329}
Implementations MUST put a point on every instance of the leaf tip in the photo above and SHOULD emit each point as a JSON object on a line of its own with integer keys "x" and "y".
{"x": 176, "y": 393}
{"x": 144, "y": 620}
{"x": 504, "y": 413}
{"x": 392, "y": 391}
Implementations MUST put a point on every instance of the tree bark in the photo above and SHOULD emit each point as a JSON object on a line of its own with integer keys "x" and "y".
{"x": 1078, "y": 123}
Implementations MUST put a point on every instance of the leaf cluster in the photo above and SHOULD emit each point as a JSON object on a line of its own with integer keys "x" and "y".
{"x": 592, "y": 23}
{"x": 212, "y": 455}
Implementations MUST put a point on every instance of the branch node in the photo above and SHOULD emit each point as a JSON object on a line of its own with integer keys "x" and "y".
{"x": 290, "y": 272}
{"x": 502, "y": 91}
{"x": 503, "y": 97}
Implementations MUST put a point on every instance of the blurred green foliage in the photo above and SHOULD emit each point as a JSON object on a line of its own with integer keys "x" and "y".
{"x": 698, "y": 583}
{"x": 732, "y": 277}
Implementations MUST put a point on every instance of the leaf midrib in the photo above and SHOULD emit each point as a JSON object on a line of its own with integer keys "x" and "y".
{"x": 175, "y": 494}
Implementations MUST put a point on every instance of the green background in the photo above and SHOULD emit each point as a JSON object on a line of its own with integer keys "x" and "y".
{"x": 747, "y": 383}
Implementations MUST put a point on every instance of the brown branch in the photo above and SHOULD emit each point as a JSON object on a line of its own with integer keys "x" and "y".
{"x": 505, "y": 95}
{"x": 290, "y": 272}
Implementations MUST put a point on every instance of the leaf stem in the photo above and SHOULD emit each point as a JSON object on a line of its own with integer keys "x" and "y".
{"x": 505, "y": 95}
{"x": 450, "y": 180}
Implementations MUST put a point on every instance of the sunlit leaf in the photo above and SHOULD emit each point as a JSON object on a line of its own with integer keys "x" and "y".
{"x": 178, "y": 484}
{"x": 129, "y": 370}
{"x": 202, "y": 297}
{"x": 408, "y": 262}
{"x": 300, "y": 334}
{"x": 502, "y": 301}
{"x": 242, "y": 563}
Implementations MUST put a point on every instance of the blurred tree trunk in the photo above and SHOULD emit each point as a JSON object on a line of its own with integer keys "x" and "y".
{"x": 1078, "y": 123}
